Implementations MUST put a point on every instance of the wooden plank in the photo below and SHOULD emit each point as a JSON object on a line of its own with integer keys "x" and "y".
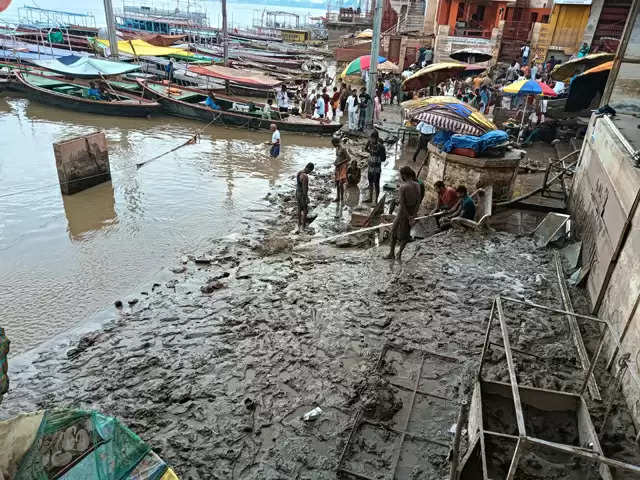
{"x": 583, "y": 356}
{"x": 512, "y": 372}
{"x": 587, "y": 434}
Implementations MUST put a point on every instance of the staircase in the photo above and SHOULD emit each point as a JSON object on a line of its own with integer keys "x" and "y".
{"x": 414, "y": 17}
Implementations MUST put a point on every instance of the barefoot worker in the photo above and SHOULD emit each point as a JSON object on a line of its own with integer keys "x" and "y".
{"x": 302, "y": 195}
{"x": 275, "y": 141}
{"x": 377, "y": 156}
{"x": 341, "y": 164}
{"x": 408, "y": 204}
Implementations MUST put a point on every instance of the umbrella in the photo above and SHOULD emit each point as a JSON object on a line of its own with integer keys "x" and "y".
{"x": 566, "y": 70}
{"x": 432, "y": 74}
{"x": 387, "y": 67}
{"x": 410, "y": 105}
{"x": 586, "y": 86}
{"x": 360, "y": 64}
{"x": 529, "y": 87}
{"x": 469, "y": 55}
{"x": 454, "y": 117}
{"x": 603, "y": 67}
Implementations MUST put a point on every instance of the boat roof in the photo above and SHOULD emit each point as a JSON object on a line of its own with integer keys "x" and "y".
{"x": 85, "y": 67}
{"x": 241, "y": 77}
{"x": 140, "y": 48}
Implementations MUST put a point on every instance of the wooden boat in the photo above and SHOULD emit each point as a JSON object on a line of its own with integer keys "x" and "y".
{"x": 189, "y": 103}
{"x": 71, "y": 95}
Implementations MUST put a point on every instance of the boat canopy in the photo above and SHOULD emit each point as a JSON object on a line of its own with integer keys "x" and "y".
{"x": 86, "y": 67}
{"x": 140, "y": 48}
{"x": 241, "y": 77}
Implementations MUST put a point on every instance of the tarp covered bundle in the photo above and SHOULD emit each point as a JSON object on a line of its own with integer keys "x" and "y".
{"x": 448, "y": 141}
{"x": 73, "y": 444}
{"x": 85, "y": 67}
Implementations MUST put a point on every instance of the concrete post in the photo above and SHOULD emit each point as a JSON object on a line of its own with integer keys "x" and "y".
{"x": 82, "y": 162}
{"x": 373, "y": 68}
{"x": 111, "y": 29}
{"x": 592, "y": 22}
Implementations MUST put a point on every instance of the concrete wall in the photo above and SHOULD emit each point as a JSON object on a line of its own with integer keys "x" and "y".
{"x": 430, "y": 14}
{"x": 445, "y": 44}
{"x": 606, "y": 189}
{"x": 474, "y": 173}
{"x": 82, "y": 162}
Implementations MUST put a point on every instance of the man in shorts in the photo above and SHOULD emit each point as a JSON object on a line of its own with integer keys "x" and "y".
{"x": 302, "y": 195}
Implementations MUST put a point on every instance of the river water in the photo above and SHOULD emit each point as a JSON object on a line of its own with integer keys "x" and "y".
{"x": 62, "y": 259}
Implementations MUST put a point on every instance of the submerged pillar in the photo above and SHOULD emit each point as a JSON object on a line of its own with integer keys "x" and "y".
{"x": 82, "y": 162}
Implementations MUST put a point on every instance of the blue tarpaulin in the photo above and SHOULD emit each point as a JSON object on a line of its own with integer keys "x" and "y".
{"x": 478, "y": 144}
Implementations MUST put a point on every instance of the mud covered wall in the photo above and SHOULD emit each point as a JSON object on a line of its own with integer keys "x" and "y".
{"x": 605, "y": 188}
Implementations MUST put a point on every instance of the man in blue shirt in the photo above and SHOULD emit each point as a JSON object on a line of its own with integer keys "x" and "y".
{"x": 93, "y": 92}
{"x": 169, "y": 70}
{"x": 211, "y": 101}
{"x": 320, "y": 106}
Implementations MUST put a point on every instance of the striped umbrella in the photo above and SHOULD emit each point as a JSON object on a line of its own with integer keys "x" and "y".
{"x": 410, "y": 105}
{"x": 454, "y": 117}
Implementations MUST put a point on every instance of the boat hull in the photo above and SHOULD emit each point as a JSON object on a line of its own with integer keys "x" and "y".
{"x": 85, "y": 105}
{"x": 202, "y": 113}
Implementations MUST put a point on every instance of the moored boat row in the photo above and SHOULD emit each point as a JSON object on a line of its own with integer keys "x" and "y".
{"x": 142, "y": 98}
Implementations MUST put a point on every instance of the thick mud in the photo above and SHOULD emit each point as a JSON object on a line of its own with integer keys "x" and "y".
{"x": 217, "y": 361}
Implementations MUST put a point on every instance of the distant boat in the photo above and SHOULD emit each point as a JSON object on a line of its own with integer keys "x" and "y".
{"x": 189, "y": 103}
{"x": 71, "y": 95}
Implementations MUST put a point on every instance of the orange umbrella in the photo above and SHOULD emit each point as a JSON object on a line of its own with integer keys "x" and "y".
{"x": 600, "y": 68}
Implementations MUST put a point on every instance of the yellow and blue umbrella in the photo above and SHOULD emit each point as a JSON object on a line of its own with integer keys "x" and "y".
{"x": 529, "y": 87}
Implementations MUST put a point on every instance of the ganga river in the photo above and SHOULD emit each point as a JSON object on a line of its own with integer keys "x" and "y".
{"x": 65, "y": 258}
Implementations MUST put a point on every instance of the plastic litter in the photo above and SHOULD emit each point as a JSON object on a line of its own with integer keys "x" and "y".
{"x": 312, "y": 414}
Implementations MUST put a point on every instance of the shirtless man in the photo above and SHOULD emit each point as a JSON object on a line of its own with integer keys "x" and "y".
{"x": 302, "y": 195}
{"x": 341, "y": 163}
{"x": 408, "y": 204}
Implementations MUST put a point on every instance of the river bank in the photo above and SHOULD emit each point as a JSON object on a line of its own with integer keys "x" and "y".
{"x": 215, "y": 363}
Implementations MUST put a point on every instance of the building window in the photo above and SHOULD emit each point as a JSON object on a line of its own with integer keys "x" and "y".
{"x": 460, "y": 15}
{"x": 534, "y": 17}
{"x": 545, "y": 19}
{"x": 480, "y": 13}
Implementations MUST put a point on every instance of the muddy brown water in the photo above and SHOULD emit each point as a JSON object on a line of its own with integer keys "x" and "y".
{"x": 62, "y": 259}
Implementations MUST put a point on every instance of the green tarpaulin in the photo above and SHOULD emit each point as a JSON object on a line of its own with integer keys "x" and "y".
{"x": 86, "y": 67}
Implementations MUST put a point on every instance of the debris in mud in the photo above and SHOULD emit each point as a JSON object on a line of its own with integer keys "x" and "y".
{"x": 85, "y": 342}
{"x": 379, "y": 399}
{"x": 204, "y": 260}
{"x": 212, "y": 286}
{"x": 132, "y": 302}
{"x": 118, "y": 303}
{"x": 274, "y": 244}
{"x": 180, "y": 269}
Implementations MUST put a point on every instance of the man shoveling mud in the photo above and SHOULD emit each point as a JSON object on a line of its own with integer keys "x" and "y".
{"x": 302, "y": 195}
{"x": 408, "y": 204}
